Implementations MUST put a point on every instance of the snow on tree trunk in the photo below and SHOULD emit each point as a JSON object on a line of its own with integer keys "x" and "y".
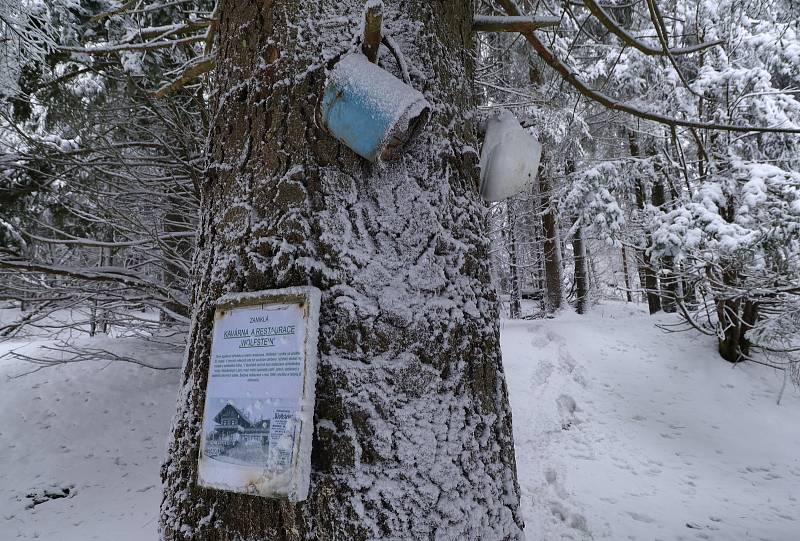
{"x": 413, "y": 432}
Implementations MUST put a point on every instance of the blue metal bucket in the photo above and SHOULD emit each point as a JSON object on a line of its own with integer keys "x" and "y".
{"x": 370, "y": 110}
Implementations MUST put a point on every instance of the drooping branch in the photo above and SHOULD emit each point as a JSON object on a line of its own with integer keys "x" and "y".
{"x": 570, "y": 77}
{"x": 611, "y": 25}
{"x": 661, "y": 31}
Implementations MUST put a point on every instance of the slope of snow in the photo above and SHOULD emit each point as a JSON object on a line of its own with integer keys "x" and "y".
{"x": 625, "y": 432}
{"x": 622, "y": 432}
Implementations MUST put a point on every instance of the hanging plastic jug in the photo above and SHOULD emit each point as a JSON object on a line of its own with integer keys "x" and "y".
{"x": 370, "y": 110}
{"x": 509, "y": 158}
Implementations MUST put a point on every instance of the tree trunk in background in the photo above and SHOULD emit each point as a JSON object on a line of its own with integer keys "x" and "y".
{"x": 625, "y": 270}
{"x": 516, "y": 294}
{"x": 177, "y": 252}
{"x": 106, "y": 259}
{"x": 729, "y": 332}
{"x": 413, "y": 432}
{"x": 647, "y": 275}
{"x": 688, "y": 293}
{"x": 552, "y": 249}
{"x": 749, "y": 319}
{"x": 99, "y": 317}
{"x": 669, "y": 282}
{"x": 735, "y": 316}
{"x": 581, "y": 273}
{"x": 537, "y": 250}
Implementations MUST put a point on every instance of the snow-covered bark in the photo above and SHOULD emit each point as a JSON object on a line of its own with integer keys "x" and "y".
{"x": 412, "y": 426}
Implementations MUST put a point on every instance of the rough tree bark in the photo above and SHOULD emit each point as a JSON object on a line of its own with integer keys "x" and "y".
{"x": 413, "y": 432}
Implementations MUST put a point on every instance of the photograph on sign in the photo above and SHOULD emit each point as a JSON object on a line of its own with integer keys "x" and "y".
{"x": 258, "y": 414}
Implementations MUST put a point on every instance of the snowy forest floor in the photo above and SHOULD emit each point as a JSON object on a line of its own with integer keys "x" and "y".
{"x": 622, "y": 432}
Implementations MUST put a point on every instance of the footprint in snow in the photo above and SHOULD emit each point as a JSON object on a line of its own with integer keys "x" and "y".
{"x": 640, "y": 517}
{"x": 570, "y": 518}
{"x": 540, "y": 341}
{"x": 566, "y": 409}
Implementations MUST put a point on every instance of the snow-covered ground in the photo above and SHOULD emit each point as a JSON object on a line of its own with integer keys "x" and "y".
{"x": 86, "y": 440}
{"x": 622, "y": 432}
{"x": 625, "y": 432}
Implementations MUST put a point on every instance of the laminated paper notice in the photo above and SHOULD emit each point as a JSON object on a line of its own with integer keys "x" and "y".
{"x": 259, "y": 406}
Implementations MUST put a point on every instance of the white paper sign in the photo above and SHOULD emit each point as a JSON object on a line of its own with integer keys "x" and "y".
{"x": 258, "y": 415}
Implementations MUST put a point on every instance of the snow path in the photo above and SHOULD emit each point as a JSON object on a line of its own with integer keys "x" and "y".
{"x": 622, "y": 432}
{"x": 626, "y": 432}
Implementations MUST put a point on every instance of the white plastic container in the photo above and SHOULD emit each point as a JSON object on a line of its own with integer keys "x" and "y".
{"x": 509, "y": 158}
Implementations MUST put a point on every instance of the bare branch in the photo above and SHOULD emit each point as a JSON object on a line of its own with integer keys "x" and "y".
{"x": 97, "y": 274}
{"x": 147, "y": 46}
{"x": 482, "y": 23}
{"x": 197, "y": 68}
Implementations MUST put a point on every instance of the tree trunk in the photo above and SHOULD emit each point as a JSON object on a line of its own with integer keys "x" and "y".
{"x": 735, "y": 317}
{"x": 107, "y": 259}
{"x": 669, "y": 283}
{"x": 413, "y": 432}
{"x": 647, "y": 274}
{"x": 626, "y": 272}
{"x": 552, "y": 249}
{"x": 581, "y": 273}
{"x": 177, "y": 252}
{"x": 516, "y": 295}
{"x": 749, "y": 319}
{"x": 730, "y": 324}
{"x": 93, "y": 318}
{"x": 537, "y": 249}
